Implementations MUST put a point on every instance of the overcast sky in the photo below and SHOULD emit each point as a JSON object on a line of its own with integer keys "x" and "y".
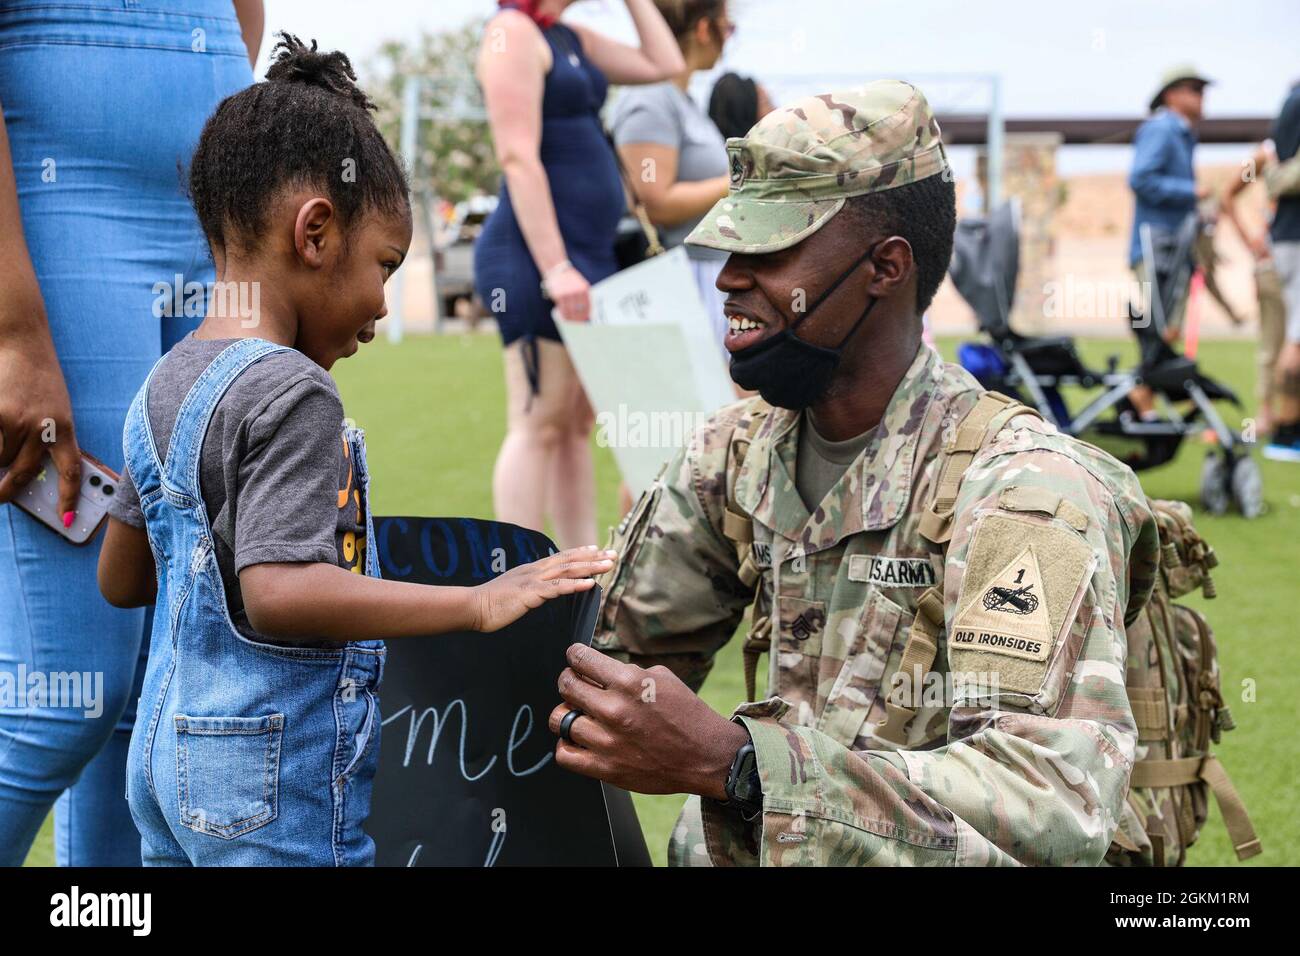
{"x": 1101, "y": 57}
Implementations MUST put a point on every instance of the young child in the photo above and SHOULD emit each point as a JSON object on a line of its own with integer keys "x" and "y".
{"x": 257, "y": 734}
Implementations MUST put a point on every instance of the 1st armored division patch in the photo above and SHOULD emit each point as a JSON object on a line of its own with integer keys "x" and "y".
{"x": 1023, "y": 584}
{"x": 1009, "y": 614}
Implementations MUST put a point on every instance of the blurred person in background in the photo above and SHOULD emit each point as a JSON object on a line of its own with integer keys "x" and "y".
{"x": 1268, "y": 291}
{"x": 551, "y": 236}
{"x": 1280, "y": 245}
{"x": 674, "y": 154}
{"x": 101, "y": 104}
{"x": 1163, "y": 181}
{"x": 736, "y": 104}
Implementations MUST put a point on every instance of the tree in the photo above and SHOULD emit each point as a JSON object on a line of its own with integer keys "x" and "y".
{"x": 454, "y": 157}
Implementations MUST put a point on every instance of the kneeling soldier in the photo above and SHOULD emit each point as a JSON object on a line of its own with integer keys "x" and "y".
{"x": 943, "y": 579}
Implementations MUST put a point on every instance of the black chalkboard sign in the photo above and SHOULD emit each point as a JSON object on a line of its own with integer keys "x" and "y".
{"x": 467, "y": 774}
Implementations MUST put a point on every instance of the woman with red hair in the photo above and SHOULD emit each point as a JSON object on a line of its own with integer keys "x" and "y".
{"x": 551, "y": 236}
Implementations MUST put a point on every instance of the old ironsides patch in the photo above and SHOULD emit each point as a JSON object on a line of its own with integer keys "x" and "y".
{"x": 1009, "y": 614}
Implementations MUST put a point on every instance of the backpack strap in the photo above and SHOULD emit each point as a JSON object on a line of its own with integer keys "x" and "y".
{"x": 739, "y": 530}
{"x": 977, "y": 427}
{"x": 757, "y": 643}
{"x": 736, "y": 524}
{"x": 985, "y": 419}
{"x": 1189, "y": 770}
{"x": 1150, "y": 712}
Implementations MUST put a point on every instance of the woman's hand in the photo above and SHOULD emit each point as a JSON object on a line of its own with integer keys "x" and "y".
{"x": 35, "y": 413}
{"x": 505, "y": 599}
{"x": 571, "y": 294}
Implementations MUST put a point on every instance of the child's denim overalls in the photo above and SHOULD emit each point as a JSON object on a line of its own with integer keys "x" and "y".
{"x": 243, "y": 753}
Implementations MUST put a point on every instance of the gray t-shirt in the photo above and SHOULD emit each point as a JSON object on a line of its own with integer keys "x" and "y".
{"x": 822, "y": 463}
{"x": 273, "y": 473}
{"x": 663, "y": 114}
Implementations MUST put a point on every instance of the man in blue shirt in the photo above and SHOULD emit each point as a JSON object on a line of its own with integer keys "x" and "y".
{"x": 1163, "y": 179}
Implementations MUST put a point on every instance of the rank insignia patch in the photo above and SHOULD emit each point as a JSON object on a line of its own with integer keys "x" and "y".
{"x": 737, "y": 167}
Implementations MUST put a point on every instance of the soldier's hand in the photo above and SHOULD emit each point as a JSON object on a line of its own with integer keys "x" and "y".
{"x": 642, "y": 729}
{"x": 509, "y": 597}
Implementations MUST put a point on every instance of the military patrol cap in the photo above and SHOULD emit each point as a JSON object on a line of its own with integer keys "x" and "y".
{"x": 798, "y": 165}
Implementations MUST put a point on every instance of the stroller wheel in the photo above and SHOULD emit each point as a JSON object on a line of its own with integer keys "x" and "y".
{"x": 1215, "y": 496}
{"x": 1247, "y": 487}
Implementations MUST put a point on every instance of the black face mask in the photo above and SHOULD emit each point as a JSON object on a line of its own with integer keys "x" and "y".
{"x": 787, "y": 371}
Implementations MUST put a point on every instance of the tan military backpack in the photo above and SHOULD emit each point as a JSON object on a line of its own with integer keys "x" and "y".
{"x": 1172, "y": 676}
{"x": 1173, "y": 686}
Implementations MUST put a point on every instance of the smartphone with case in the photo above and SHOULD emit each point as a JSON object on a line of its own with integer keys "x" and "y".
{"x": 40, "y": 498}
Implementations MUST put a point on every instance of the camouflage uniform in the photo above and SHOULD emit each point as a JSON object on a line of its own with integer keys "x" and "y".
{"x": 1036, "y": 773}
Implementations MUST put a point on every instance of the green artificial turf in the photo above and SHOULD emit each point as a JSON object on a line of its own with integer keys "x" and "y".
{"x": 433, "y": 411}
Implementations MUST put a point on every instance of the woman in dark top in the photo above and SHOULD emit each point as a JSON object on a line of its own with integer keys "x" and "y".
{"x": 551, "y": 236}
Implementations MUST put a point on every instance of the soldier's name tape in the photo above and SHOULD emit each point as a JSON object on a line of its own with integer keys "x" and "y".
{"x": 885, "y": 570}
{"x": 892, "y": 572}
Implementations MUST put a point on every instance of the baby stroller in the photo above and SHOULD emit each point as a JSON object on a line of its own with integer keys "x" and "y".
{"x": 985, "y": 265}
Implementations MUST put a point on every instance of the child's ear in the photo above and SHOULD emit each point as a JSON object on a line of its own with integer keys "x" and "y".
{"x": 312, "y": 230}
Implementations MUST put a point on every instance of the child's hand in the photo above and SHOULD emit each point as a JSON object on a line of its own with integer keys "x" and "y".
{"x": 507, "y": 598}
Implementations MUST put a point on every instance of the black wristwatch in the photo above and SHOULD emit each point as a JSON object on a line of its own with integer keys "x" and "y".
{"x": 744, "y": 788}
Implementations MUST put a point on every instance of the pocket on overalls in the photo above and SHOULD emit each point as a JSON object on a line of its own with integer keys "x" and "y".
{"x": 228, "y": 772}
{"x": 356, "y": 710}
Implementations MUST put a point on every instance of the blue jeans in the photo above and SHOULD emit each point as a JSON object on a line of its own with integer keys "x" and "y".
{"x": 245, "y": 753}
{"x": 103, "y": 101}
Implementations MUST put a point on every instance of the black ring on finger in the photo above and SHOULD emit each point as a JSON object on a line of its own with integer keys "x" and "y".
{"x": 566, "y": 724}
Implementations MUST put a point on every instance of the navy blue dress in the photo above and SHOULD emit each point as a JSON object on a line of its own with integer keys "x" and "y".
{"x": 587, "y": 191}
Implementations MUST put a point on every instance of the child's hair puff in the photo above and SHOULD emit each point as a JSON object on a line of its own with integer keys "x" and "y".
{"x": 307, "y": 123}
